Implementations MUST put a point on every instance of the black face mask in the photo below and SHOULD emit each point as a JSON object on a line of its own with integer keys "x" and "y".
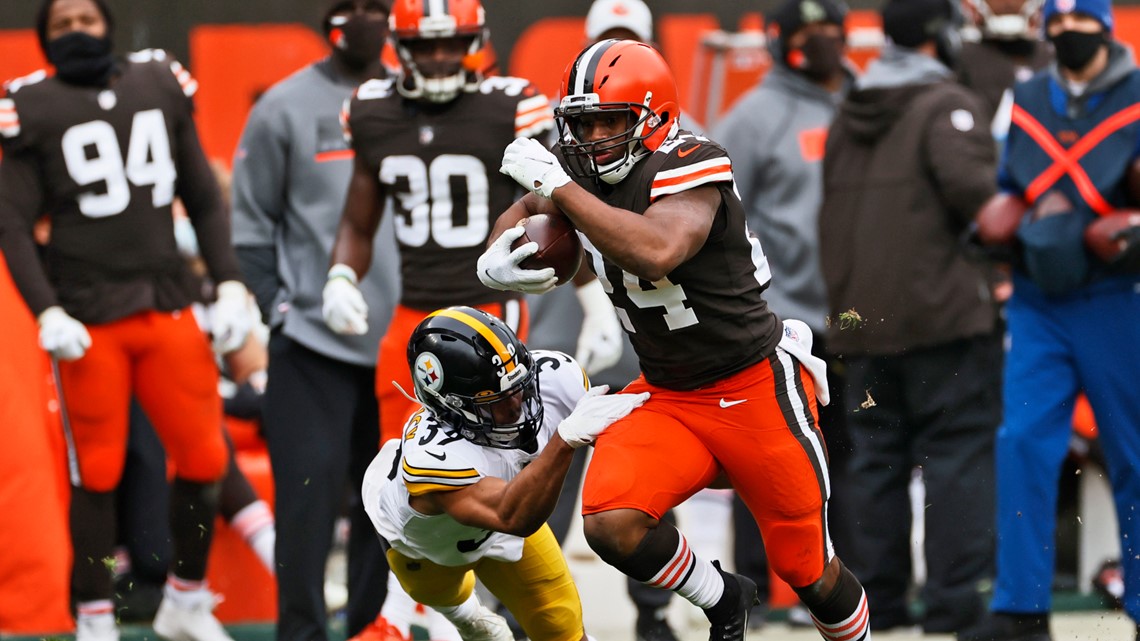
{"x": 822, "y": 57}
{"x": 359, "y": 41}
{"x": 82, "y": 59}
{"x": 1075, "y": 49}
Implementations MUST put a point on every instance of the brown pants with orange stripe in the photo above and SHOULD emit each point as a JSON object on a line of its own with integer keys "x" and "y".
{"x": 758, "y": 427}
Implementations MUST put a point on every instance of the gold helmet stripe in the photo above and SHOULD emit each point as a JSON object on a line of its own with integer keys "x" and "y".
{"x": 484, "y": 331}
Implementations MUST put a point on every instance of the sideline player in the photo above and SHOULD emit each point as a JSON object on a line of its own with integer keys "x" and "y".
{"x": 429, "y": 139}
{"x": 658, "y": 213}
{"x": 467, "y": 489}
{"x": 102, "y": 148}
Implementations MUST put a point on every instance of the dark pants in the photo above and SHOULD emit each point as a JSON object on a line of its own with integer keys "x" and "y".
{"x": 937, "y": 409}
{"x": 322, "y": 427}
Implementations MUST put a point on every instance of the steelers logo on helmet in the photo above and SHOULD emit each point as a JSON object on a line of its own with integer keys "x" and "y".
{"x": 428, "y": 372}
{"x": 619, "y": 105}
{"x": 489, "y": 393}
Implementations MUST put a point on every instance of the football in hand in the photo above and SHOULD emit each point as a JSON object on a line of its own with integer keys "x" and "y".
{"x": 558, "y": 245}
{"x": 1109, "y": 236}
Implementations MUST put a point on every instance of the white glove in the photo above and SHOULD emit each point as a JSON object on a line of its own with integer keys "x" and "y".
{"x": 344, "y": 308}
{"x": 599, "y": 342}
{"x": 61, "y": 335}
{"x": 595, "y": 412}
{"x": 533, "y": 167}
{"x": 232, "y": 317}
{"x": 499, "y": 266}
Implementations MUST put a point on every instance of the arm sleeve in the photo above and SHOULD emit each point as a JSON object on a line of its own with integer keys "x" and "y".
{"x": 21, "y": 203}
{"x": 204, "y": 205}
{"x": 960, "y": 153}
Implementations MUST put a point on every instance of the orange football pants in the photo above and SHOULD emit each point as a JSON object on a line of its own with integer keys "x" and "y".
{"x": 392, "y": 361}
{"x": 758, "y": 426}
{"x": 164, "y": 359}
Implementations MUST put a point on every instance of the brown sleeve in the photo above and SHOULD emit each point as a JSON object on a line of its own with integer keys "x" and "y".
{"x": 21, "y": 203}
{"x": 208, "y": 212}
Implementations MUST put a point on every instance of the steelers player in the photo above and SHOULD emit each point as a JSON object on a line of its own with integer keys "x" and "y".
{"x": 466, "y": 490}
{"x": 102, "y": 148}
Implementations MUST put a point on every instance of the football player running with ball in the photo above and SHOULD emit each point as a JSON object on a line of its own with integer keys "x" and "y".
{"x": 466, "y": 491}
{"x": 102, "y": 148}
{"x": 734, "y": 390}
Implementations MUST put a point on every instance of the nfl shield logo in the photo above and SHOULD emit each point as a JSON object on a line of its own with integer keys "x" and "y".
{"x": 107, "y": 99}
{"x": 427, "y": 134}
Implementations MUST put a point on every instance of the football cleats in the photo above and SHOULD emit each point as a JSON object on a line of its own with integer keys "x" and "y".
{"x": 620, "y": 76}
{"x": 474, "y": 374}
{"x": 413, "y": 21}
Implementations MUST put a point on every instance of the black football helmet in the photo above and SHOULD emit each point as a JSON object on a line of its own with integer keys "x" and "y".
{"x": 474, "y": 374}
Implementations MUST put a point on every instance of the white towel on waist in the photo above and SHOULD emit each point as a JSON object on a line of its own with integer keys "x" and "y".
{"x": 796, "y": 341}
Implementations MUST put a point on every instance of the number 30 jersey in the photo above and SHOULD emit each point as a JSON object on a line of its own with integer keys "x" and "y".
{"x": 707, "y": 319}
{"x": 432, "y": 457}
{"x": 105, "y": 164}
{"x": 440, "y": 165}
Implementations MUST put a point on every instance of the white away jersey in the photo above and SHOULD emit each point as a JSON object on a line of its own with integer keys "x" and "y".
{"x": 432, "y": 457}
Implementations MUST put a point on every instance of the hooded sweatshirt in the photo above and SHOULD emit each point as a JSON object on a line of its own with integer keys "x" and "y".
{"x": 908, "y": 163}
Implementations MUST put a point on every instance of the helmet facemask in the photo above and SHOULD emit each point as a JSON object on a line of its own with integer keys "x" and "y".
{"x": 627, "y": 146}
{"x": 504, "y": 420}
{"x": 426, "y": 80}
{"x": 419, "y": 30}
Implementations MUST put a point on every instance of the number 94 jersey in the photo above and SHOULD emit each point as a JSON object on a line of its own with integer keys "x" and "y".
{"x": 432, "y": 457}
{"x": 105, "y": 164}
{"x": 440, "y": 165}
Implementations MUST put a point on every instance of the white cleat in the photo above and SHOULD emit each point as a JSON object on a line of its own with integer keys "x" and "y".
{"x": 96, "y": 627}
{"x": 488, "y": 626}
{"x": 189, "y": 617}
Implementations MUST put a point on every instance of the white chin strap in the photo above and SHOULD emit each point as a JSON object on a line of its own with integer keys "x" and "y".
{"x": 442, "y": 89}
{"x": 433, "y": 89}
{"x": 617, "y": 171}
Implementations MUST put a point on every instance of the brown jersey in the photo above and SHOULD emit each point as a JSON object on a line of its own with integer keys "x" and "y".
{"x": 105, "y": 164}
{"x": 440, "y": 165}
{"x": 707, "y": 319}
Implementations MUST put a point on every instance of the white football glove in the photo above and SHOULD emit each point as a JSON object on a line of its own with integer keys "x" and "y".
{"x": 533, "y": 167}
{"x": 499, "y": 266}
{"x": 344, "y": 308}
{"x": 61, "y": 335}
{"x": 599, "y": 341}
{"x": 232, "y": 317}
{"x": 595, "y": 412}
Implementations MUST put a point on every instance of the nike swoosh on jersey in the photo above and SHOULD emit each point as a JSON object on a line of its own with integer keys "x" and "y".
{"x": 441, "y": 457}
{"x": 681, "y": 153}
{"x": 724, "y": 403}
